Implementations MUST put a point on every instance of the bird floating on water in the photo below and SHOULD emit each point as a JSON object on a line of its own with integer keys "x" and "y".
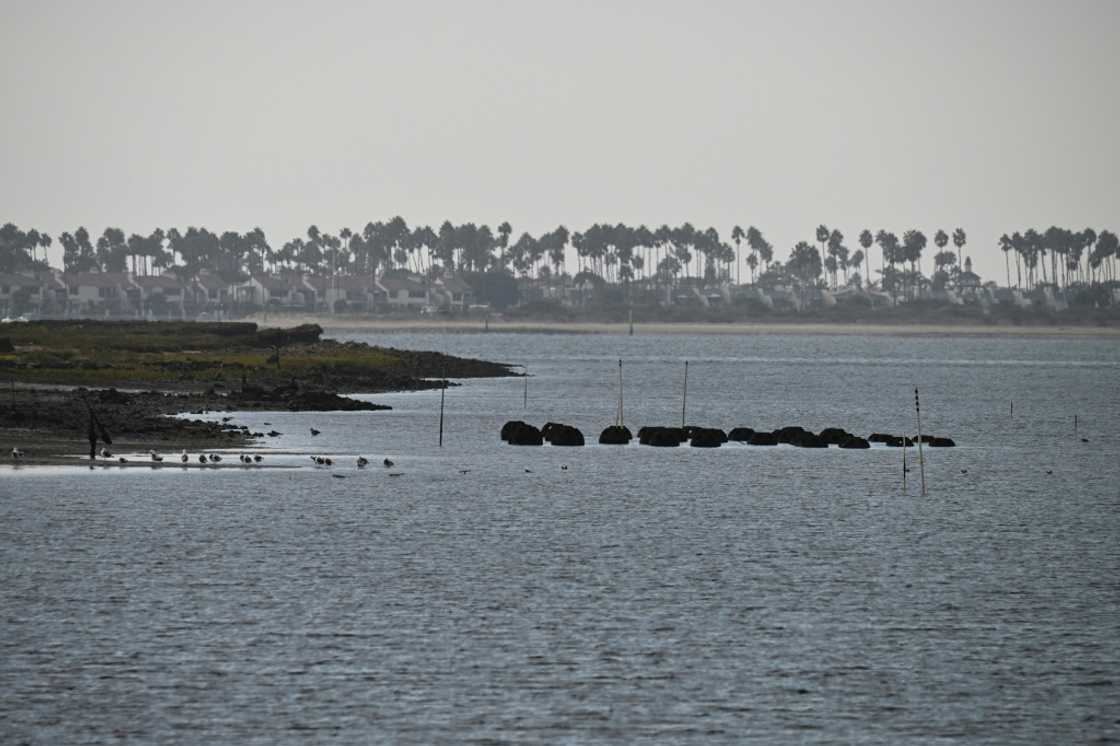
{"x": 1084, "y": 440}
{"x": 388, "y": 462}
{"x": 362, "y": 462}
{"x": 17, "y": 454}
{"x": 184, "y": 458}
{"x": 105, "y": 453}
{"x": 215, "y": 457}
{"x": 257, "y": 458}
{"x": 155, "y": 456}
{"x": 1049, "y": 471}
{"x": 122, "y": 460}
{"x": 315, "y": 432}
{"x": 202, "y": 458}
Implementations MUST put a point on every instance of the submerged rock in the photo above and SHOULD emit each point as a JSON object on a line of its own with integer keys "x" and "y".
{"x": 763, "y": 439}
{"x": 562, "y": 435}
{"x": 855, "y": 442}
{"x": 740, "y": 434}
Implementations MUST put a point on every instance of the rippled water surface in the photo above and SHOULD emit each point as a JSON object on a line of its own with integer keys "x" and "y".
{"x": 498, "y": 594}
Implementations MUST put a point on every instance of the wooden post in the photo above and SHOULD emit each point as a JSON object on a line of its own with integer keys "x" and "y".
{"x": 1075, "y": 426}
{"x": 1012, "y": 409}
{"x": 684, "y": 398}
{"x": 525, "y": 392}
{"x": 904, "y": 467}
{"x": 620, "y": 400}
{"x": 442, "y": 393}
{"x": 921, "y": 458}
{"x": 631, "y": 314}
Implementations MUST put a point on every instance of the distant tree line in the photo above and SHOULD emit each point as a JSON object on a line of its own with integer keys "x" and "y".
{"x": 616, "y": 253}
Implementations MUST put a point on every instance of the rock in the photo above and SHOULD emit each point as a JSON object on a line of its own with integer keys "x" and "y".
{"x": 763, "y": 439}
{"x": 509, "y": 428}
{"x": 834, "y": 435}
{"x": 855, "y": 442}
{"x": 940, "y": 442}
{"x": 897, "y": 441}
{"x": 525, "y": 435}
{"x": 615, "y": 435}
{"x": 740, "y": 434}
{"x": 809, "y": 440}
{"x": 562, "y": 435}
{"x": 707, "y": 438}
{"x": 879, "y": 437}
{"x": 661, "y": 437}
{"x": 789, "y": 434}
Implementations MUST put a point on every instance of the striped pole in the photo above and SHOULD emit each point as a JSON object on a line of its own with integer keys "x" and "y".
{"x": 921, "y": 458}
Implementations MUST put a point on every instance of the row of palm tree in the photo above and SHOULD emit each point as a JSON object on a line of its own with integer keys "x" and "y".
{"x": 616, "y": 253}
{"x": 1076, "y": 257}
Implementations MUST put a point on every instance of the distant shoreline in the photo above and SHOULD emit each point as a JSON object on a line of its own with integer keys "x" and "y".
{"x": 460, "y": 326}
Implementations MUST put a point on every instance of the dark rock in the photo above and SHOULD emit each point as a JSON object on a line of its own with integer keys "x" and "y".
{"x": 562, "y": 435}
{"x": 763, "y": 439}
{"x": 615, "y": 435}
{"x": 834, "y": 435}
{"x": 855, "y": 442}
{"x": 940, "y": 442}
{"x": 661, "y": 437}
{"x": 740, "y": 434}
{"x": 707, "y": 438}
{"x": 879, "y": 437}
{"x": 789, "y": 434}
{"x": 509, "y": 428}
{"x": 525, "y": 435}
{"x": 809, "y": 440}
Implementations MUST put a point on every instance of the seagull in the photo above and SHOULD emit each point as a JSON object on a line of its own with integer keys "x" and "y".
{"x": 464, "y": 471}
{"x": 105, "y": 453}
{"x": 155, "y": 456}
{"x": 528, "y": 471}
{"x": 362, "y": 462}
{"x": 315, "y": 432}
{"x": 1049, "y": 471}
{"x": 1084, "y": 440}
{"x": 563, "y": 467}
{"x": 388, "y": 462}
{"x": 122, "y": 460}
{"x": 964, "y": 471}
{"x": 17, "y": 453}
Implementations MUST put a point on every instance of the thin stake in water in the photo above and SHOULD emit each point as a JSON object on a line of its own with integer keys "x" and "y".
{"x": 684, "y": 398}
{"x": 619, "y": 415}
{"x": 442, "y": 393}
{"x": 921, "y": 458}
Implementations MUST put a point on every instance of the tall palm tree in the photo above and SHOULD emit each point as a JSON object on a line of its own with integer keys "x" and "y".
{"x": 822, "y": 238}
{"x": 959, "y": 240}
{"x": 1005, "y": 247}
{"x": 737, "y": 235}
{"x": 866, "y": 240}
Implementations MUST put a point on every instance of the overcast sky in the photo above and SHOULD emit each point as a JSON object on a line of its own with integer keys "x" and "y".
{"x": 993, "y": 115}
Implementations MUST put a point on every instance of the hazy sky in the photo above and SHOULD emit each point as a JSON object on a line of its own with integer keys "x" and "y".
{"x": 989, "y": 114}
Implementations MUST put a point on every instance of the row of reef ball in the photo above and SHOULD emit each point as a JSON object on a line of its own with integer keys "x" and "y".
{"x": 518, "y": 433}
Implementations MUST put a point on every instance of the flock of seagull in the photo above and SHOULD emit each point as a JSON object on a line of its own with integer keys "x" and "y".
{"x": 246, "y": 459}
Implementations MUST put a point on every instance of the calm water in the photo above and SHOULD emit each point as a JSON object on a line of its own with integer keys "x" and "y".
{"x": 488, "y": 594}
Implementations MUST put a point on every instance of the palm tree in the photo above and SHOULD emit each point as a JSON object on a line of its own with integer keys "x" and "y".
{"x": 959, "y": 241}
{"x": 866, "y": 240}
{"x": 1005, "y": 247}
{"x": 737, "y": 235}
{"x": 822, "y": 238}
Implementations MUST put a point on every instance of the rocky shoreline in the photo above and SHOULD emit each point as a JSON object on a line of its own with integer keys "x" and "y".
{"x": 157, "y": 370}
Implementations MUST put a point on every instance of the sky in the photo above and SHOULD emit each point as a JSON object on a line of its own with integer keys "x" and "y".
{"x": 991, "y": 115}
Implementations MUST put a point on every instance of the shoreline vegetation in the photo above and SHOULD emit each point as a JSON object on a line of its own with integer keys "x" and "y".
{"x": 133, "y": 375}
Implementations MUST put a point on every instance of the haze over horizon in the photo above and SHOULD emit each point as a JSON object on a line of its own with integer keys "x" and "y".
{"x": 994, "y": 116}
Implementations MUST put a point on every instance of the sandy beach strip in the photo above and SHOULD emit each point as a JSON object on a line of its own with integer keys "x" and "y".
{"x": 476, "y": 325}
